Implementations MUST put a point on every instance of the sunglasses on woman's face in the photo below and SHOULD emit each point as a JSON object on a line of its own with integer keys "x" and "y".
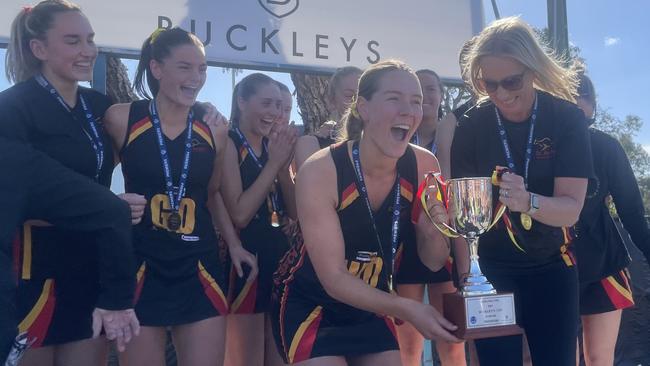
{"x": 511, "y": 83}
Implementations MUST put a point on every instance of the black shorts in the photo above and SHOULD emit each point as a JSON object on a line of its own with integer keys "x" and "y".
{"x": 611, "y": 293}
{"x": 411, "y": 270}
{"x": 303, "y": 330}
{"x": 254, "y": 297}
{"x": 161, "y": 300}
{"x": 55, "y": 312}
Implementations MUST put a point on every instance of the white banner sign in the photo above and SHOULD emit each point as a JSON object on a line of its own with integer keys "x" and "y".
{"x": 317, "y": 35}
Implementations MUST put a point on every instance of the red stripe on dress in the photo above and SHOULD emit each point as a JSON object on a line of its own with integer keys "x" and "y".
{"x": 616, "y": 296}
{"x": 285, "y": 295}
{"x": 348, "y": 191}
{"x": 139, "y": 124}
{"x": 139, "y": 282}
{"x": 16, "y": 243}
{"x": 246, "y": 299}
{"x": 406, "y": 189}
{"x": 38, "y": 329}
{"x": 307, "y": 340}
{"x": 212, "y": 291}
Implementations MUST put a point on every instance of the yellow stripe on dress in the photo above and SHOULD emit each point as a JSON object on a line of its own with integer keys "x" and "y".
{"x": 37, "y": 308}
{"x": 622, "y": 290}
{"x": 27, "y": 252}
{"x": 295, "y": 342}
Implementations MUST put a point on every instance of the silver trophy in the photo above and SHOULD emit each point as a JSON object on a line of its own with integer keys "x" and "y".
{"x": 477, "y": 309}
{"x": 470, "y": 211}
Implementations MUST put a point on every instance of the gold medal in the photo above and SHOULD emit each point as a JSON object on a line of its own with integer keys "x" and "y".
{"x": 275, "y": 219}
{"x": 526, "y": 221}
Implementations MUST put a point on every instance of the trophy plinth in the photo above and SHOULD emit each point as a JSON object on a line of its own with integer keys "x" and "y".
{"x": 477, "y": 309}
{"x": 481, "y": 316}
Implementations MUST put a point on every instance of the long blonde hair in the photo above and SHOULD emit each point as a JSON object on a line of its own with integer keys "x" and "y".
{"x": 31, "y": 23}
{"x": 512, "y": 37}
{"x": 368, "y": 85}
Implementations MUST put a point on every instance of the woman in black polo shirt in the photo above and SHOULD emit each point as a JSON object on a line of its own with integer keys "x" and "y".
{"x": 527, "y": 122}
{"x": 601, "y": 254}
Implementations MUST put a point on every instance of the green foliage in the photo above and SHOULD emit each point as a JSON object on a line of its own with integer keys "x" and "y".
{"x": 625, "y": 130}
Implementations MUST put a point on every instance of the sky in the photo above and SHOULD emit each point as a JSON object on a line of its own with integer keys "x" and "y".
{"x": 610, "y": 35}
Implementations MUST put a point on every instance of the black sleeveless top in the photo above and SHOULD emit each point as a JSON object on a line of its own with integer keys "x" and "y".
{"x": 143, "y": 174}
{"x": 358, "y": 235}
{"x": 249, "y": 171}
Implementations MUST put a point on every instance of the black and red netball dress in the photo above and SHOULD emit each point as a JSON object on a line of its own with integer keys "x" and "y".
{"x": 179, "y": 277}
{"x": 307, "y": 322}
{"x": 263, "y": 236}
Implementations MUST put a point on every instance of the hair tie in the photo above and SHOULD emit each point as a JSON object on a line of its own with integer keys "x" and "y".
{"x": 27, "y": 9}
{"x": 155, "y": 34}
{"x": 353, "y": 110}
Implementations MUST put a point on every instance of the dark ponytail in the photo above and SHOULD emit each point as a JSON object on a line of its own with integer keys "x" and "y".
{"x": 158, "y": 46}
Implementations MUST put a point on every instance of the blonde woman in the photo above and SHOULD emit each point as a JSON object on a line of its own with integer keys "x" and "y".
{"x": 340, "y": 92}
{"x": 527, "y": 121}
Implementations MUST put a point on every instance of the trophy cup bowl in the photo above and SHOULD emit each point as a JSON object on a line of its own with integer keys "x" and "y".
{"x": 477, "y": 309}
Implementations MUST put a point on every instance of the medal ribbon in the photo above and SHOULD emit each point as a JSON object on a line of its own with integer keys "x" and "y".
{"x": 416, "y": 140}
{"x": 363, "y": 191}
{"x": 274, "y": 194}
{"x": 174, "y": 200}
{"x": 94, "y": 136}
{"x": 503, "y": 135}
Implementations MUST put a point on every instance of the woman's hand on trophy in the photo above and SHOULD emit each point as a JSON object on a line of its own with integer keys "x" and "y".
{"x": 431, "y": 324}
{"x": 513, "y": 193}
{"x": 435, "y": 207}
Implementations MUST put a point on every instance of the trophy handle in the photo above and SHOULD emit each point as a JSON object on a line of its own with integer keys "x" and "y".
{"x": 441, "y": 195}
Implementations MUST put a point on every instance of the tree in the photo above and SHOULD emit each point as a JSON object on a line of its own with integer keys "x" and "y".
{"x": 454, "y": 95}
{"x": 118, "y": 85}
{"x": 625, "y": 130}
{"x": 311, "y": 92}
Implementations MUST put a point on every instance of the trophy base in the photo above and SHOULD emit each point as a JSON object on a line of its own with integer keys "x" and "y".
{"x": 481, "y": 316}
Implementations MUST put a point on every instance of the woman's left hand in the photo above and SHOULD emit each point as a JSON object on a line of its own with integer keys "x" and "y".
{"x": 212, "y": 117}
{"x": 513, "y": 193}
{"x": 436, "y": 209}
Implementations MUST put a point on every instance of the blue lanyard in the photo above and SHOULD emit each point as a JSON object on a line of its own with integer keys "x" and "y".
{"x": 416, "y": 140}
{"x": 174, "y": 200}
{"x": 361, "y": 184}
{"x": 94, "y": 137}
{"x": 274, "y": 194}
{"x": 529, "y": 146}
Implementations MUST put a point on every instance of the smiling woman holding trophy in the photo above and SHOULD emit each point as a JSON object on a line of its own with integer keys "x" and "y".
{"x": 526, "y": 133}
{"x": 333, "y": 302}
